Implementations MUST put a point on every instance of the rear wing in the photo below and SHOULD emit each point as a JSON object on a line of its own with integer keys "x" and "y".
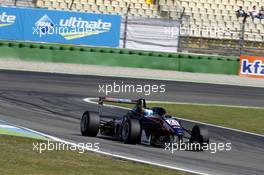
{"x": 138, "y": 103}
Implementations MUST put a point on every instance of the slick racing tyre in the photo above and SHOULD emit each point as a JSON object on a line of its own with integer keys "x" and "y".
{"x": 130, "y": 133}
{"x": 199, "y": 135}
{"x": 90, "y": 124}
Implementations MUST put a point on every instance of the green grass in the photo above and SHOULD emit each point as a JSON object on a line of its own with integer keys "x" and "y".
{"x": 247, "y": 119}
{"x": 18, "y": 157}
{"x": 5, "y": 131}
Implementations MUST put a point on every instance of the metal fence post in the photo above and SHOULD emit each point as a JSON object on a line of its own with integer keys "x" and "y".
{"x": 71, "y": 4}
{"x": 125, "y": 28}
{"x": 242, "y": 35}
{"x": 179, "y": 30}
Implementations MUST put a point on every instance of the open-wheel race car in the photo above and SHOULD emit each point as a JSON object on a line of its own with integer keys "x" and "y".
{"x": 144, "y": 125}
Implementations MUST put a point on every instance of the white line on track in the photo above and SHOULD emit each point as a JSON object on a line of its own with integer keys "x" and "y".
{"x": 8, "y": 127}
{"x": 90, "y": 100}
{"x": 107, "y": 153}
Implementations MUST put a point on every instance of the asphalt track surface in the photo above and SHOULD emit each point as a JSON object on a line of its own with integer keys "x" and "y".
{"x": 53, "y": 104}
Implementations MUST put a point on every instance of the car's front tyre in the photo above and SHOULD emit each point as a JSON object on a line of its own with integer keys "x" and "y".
{"x": 199, "y": 135}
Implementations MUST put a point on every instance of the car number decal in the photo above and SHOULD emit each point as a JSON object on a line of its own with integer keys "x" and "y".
{"x": 173, "y": 122}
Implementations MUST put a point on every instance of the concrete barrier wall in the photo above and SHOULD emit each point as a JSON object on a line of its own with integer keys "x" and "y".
{"x": 118, "y": 57}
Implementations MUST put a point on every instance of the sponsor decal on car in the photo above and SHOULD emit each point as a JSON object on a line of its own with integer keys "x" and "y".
{"x": 173, "y": 123}
{"x": 251, "y": 66}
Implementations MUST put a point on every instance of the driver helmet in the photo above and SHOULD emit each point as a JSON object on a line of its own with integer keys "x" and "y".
{"x": 148, "y": 112}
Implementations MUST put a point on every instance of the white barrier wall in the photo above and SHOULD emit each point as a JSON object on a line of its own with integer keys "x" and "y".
{"x": 151, "y": 34}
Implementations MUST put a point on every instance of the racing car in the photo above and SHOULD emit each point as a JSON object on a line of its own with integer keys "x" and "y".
{"x": 141, "y": 124}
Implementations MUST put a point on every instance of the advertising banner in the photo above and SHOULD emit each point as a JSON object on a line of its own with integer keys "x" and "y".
{"x": 59, "y": 26}
{"x": 251, "y": 66}
{"x": 151, "y": 34}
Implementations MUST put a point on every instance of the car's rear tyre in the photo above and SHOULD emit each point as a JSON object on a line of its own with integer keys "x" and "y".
{"x": 90, "y": 124}
{"x": 130, "y": 133}
{"x": 199, "y": 135}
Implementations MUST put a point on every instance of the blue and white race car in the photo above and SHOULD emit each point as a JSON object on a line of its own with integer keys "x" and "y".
{"x": 151, "y": 126}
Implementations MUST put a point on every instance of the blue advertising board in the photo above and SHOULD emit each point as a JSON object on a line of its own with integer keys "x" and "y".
{"x": 59, "y": 26}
